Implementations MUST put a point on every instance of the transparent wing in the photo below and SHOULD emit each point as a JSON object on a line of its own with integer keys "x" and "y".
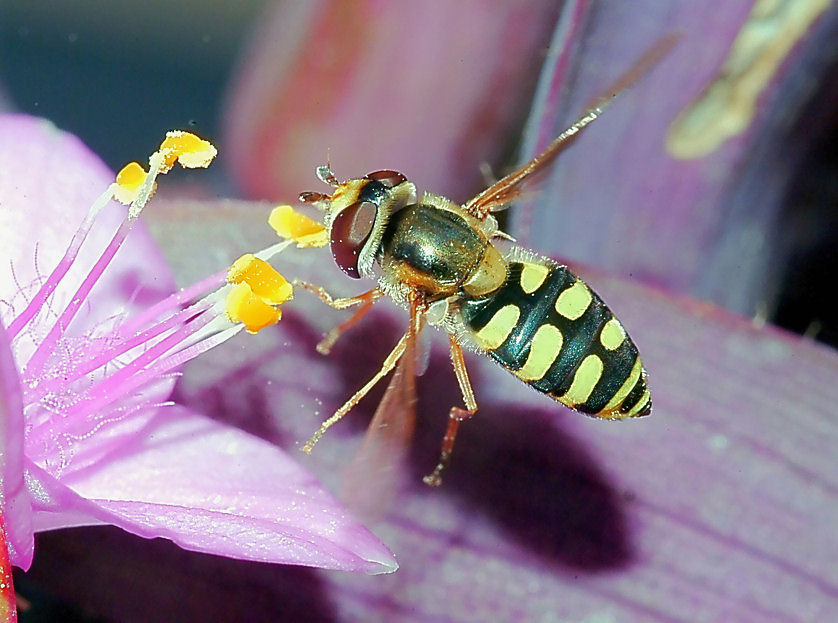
{"x": 505, "y": 190}
{"x": 373, "y": 478}
{"x": 422, "y": 354}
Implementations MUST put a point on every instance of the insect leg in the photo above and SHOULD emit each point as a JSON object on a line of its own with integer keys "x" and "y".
{"x": 340, "y": 303}
{"x": 456, "y": 415}
{"x": 366, "y": 301}
{"x": 325, "y": 345}
{"x": 386, "y": 367}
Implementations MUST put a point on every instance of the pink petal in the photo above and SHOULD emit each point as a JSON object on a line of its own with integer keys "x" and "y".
{"x": 215, "y": 489}
{"x": 48, "y": 179}
{"x": 14, "y": 498}
{"x": 428, "y": 89}
{"x": 57, "y": 506}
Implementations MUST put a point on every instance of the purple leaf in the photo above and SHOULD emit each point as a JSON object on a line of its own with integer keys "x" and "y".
{"x": 682, "y": 181}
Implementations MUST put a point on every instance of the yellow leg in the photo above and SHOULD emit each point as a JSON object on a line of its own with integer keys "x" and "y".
{"x": 340, "y": 303}
{"x": 325, "y": 345}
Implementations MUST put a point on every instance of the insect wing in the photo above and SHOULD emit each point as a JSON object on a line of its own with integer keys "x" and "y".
{"x": 376, "y": 472}
{"x": 505, "y": 190}
{"x": 422, "y": 354}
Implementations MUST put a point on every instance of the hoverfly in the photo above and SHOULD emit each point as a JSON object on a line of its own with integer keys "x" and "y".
{"x": 439, "y": 259}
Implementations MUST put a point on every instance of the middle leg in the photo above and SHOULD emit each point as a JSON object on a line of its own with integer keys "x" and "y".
{"x": 324, "y": 347}
{"x": 388, "y": 364}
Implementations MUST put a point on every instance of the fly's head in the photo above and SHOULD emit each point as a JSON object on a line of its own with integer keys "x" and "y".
{"x": 357, "y": 212}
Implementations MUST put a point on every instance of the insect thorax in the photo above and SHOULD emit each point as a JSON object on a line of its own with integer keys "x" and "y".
{"x": 430, "y": 249}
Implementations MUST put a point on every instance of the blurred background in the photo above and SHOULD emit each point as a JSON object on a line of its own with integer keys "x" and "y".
{"x": 282, "y": 86}
{"x": 119, "y": 73}
{"x": 453, "y": 93}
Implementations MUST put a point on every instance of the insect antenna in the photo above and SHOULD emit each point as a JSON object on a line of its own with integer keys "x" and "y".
{"x": 325, "y": 175}
{"x": 313, "y": 197}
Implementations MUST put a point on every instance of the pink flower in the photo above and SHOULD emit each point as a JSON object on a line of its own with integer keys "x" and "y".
{"x": 87, "y": 362}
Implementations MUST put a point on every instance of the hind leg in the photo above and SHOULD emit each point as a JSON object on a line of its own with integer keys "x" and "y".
{"x": 455, "y": 415}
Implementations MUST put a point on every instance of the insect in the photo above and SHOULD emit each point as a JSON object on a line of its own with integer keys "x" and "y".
{"x": 446, "y": 264}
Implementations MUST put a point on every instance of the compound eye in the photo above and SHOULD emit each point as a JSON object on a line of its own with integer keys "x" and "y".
{"x": 387, "y": 177}
{"x": 350, "y": 231}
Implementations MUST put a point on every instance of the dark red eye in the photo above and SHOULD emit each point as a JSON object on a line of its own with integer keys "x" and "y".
{"x": 387, "y": 177}
{"x": 350, "y": 230}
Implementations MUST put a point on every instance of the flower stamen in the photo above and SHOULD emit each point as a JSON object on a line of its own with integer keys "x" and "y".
{"x": 75, "y": 385}
{"x": 256, "y": 294}
{"x": 131, "y": 182}
{"x": 61, "y": 269}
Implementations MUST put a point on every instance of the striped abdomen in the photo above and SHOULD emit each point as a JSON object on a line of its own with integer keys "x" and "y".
{"x": 548, "y": 328}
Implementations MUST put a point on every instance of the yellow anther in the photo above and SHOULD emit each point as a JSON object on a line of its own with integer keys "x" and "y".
{"x": 264, "y": 280}
{"x": 189, "y": 150}
{"x": 258, "y": 290}
{"x": 128, "y": 181}
{"x": 245, "y": 307}
{"x": 290, "y": 224}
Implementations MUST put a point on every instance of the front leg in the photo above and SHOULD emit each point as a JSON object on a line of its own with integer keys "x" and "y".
{"x": 366, "y": 301}
{"x": 339, "y": 303}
